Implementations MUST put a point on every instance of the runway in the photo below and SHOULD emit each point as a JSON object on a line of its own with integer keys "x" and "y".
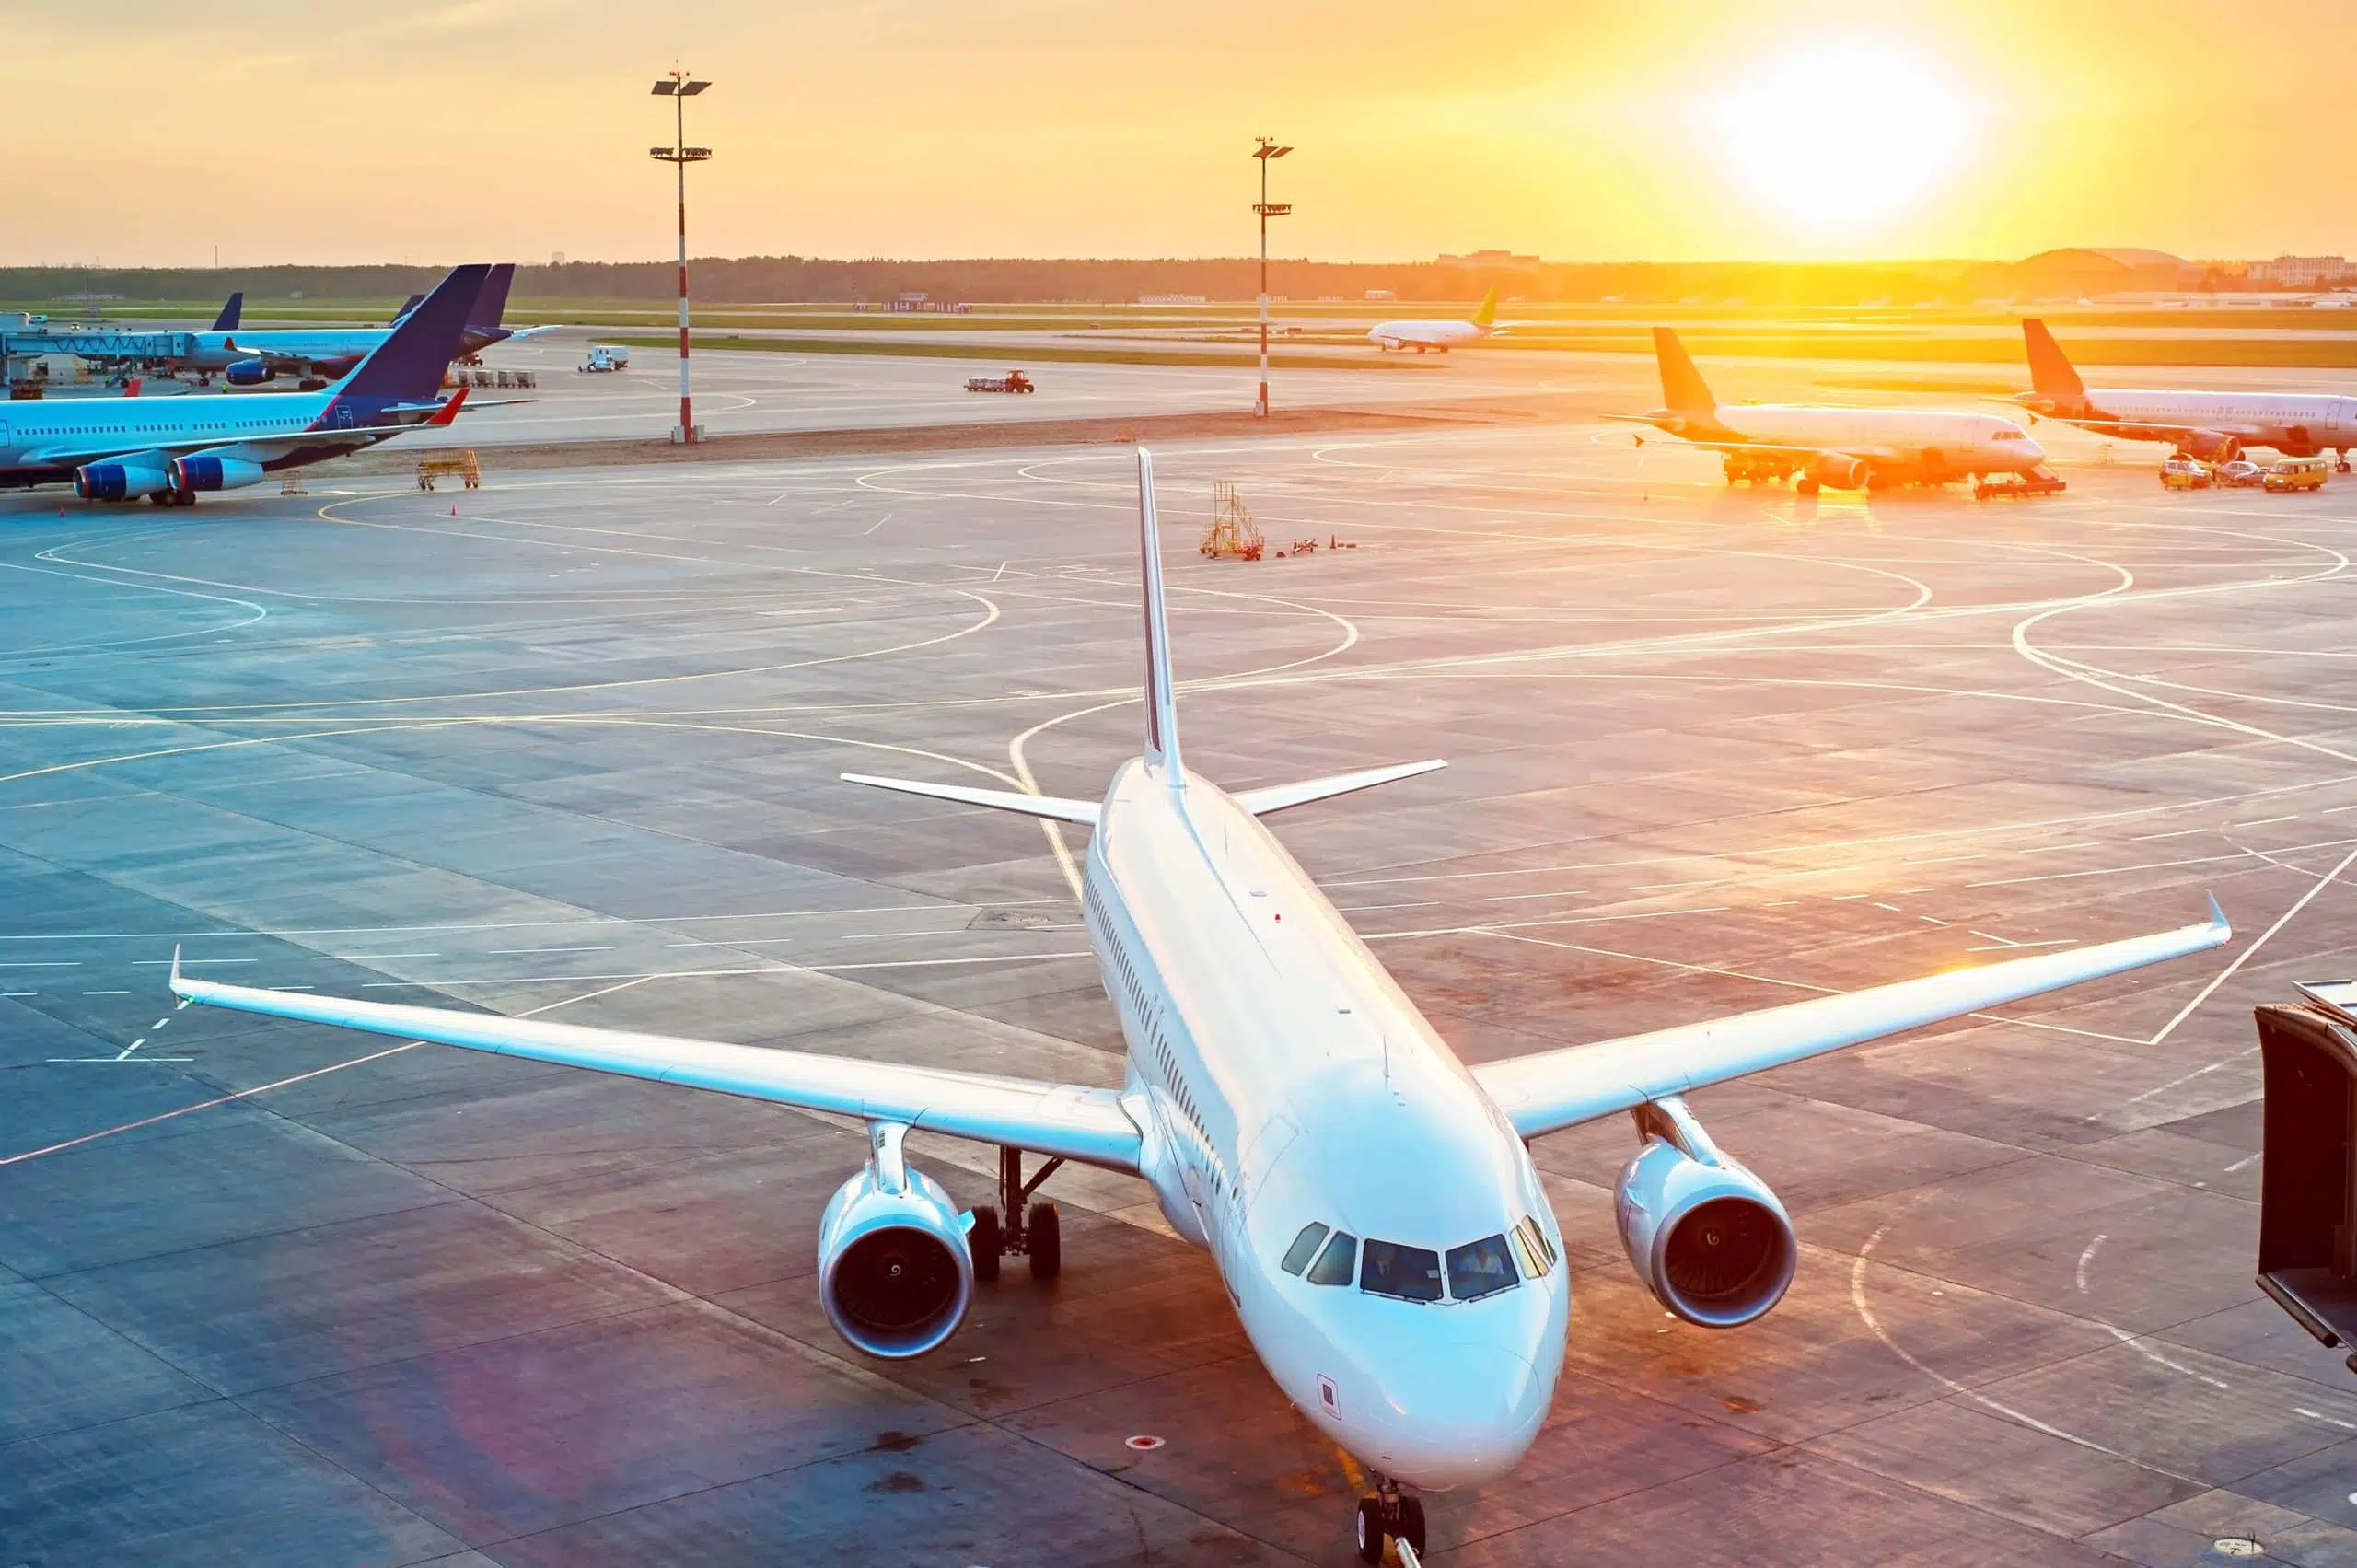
{"x": 277, "y": 1294}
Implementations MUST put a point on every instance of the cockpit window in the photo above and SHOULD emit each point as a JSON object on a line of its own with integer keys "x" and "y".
{"x": 1303, "y": 1247}
{"x": 1537, "y": 1257}
{"x": 1338, "y": 1263}
{"x": 1411, "y": 1273}
{"x": 1480, "y": 1267}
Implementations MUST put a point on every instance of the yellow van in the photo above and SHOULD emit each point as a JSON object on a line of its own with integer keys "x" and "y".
{"x": 2297, "y": 474}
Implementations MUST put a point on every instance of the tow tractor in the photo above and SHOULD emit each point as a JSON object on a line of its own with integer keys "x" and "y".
{"x": 1013, "y": 382}
{"x": 2040, "y": 480}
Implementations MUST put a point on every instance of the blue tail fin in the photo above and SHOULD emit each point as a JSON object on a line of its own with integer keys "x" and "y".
{"x": 407, "y": 306}
{"x": 492, "y": 303}
{"x": 407, "y": 367}
{"x": 231, "y": 313}
{"x": 1161, "y": 700}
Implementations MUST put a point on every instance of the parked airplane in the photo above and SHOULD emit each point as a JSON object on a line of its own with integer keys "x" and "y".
{"x": 1441, "y": 336}
{"x": 169, "y": 448}
{"x": 1369, "y": 1201}
{"x": 1847, "y": 448}
{"x": 2213, "y": 426}
{"x": 251, "y": 358}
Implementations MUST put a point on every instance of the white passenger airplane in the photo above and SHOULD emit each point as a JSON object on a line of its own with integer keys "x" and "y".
{"x": 1440, "y": 336}
{"x": 169, "y": 449}
{"x": 1368, "y": 1200}
{"x": 2213, "y": 426}
{"x": 1846, "y": 448}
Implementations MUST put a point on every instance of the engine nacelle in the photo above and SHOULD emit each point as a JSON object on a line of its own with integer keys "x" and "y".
{"x": 2212, "y": 446}
{"x": 116, "y": 482}
{"x": 249, "y": 373}
{"x": 1706, "y": 1236}
{"x": 895, "y": 1273}
{"x": 206, "y": 472}
{"x": 1836, "y": 472}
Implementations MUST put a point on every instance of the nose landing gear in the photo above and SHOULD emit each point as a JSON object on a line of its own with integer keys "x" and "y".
{"x": 1387, "y": 1515}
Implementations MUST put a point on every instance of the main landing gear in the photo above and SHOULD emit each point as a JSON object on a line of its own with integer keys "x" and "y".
{"x": 1036, "y": 1235}
{"x": 1387, "y": 1515}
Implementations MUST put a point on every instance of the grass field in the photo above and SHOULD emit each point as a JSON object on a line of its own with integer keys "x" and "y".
{"x": 1003, "y": 354}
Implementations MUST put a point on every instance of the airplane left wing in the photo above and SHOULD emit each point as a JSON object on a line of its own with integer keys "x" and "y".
{"x": 1555, "y": 1089}
{"x": 1072, "y": 1121}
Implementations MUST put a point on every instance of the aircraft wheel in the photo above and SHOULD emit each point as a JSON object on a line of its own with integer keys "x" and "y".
{"x": 1370, "y": 1530}
{"x": 184, "y": 498}
{"x": 1411, "y": 1523}
{"x": 160, "y": 498}
{"x": 1043, "y": 1237}
{"x": 983, "y": 1241}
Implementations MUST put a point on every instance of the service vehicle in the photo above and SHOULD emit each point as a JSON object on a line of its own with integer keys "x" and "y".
{"x": 2185, "y": 473}
{"x": 1013, "y": 382}
{"x": 604, "y": 357}
{"x": 2240, "y": 473}
{"x": 2297, "y": 474}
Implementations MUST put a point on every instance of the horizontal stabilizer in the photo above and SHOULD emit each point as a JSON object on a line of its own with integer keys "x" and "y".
{"x": 1050, "y": 807}
{"x": 1278, "y": 797}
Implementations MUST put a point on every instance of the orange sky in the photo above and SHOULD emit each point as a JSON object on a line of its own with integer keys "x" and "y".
{"x": 443, "y": 130}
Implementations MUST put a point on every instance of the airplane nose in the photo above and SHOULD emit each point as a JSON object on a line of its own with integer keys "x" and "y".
{"x": 1456, "y": 1414}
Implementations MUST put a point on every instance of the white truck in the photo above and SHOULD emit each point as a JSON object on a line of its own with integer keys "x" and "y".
{"x": 604, "y": 357}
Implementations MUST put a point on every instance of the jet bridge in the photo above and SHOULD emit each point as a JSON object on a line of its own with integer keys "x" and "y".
{"x": 2307, "y": 1225}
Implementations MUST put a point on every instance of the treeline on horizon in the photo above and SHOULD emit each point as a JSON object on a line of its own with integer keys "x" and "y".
{"x": 766, "y": 279}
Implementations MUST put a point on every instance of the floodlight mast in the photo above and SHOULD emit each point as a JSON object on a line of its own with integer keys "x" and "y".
{"x": 678, "y": 87}
{"x": 1267, "y": 150}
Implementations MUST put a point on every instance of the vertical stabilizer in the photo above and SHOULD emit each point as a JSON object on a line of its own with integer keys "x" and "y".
{"x": 2049, "y": 369}
{"x": 491, "y": 302}
{"x": 231, "y": 313}
{"x": 409, "y": 305}
{"x": 1682, "y": 390}
{"x": 407, "y": 367}
{"x": 1488, "y": 315}
{"x": 1161, "y": 706}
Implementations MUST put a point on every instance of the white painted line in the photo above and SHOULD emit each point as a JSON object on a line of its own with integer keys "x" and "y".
{"x": 51, "y": 964}
{"x": 131, "y": 1047}
{"x": 119, "y": 1059}
{"x": 511, "y": 952}
{"x": 2247, "y": 1160}
{"x": 2184, "y": 832}
{"x": 2057, "y": 849}
{"x": 2328, "y": 1420}
{"x": 364, "y": 958}
{"x": 2002, "y": 944}
{"x": 2263, "y": 822}
{"x": 1933, "y": 919}
{"x": 1990, "y": 936}
{"x": 2242, "y": 957}
{"x": 188, "y": 963}
{"x": 106, "y": 993}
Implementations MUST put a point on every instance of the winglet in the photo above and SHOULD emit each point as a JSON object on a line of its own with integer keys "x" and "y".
{"x": 176, "y": 977}
{"x": 1161, "y": 703}
{"x": 2218, "y": 921}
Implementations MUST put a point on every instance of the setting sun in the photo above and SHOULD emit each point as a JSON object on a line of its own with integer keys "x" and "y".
{"x": 1837, "y": 138}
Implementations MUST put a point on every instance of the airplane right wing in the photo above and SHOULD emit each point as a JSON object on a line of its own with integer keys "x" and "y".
{"x": 1072, "y": 1121}
{"x": 1554, "y": 1089}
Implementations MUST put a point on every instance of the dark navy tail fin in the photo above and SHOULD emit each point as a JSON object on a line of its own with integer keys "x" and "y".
{"x": 407, "y": 306}
{"x": 408, "y": 367}
{"x": 231, "y": 313}
{"x": 1682, "y": 389}
{"x": 2049, "y": 369}
{"x": 492, "y": 303}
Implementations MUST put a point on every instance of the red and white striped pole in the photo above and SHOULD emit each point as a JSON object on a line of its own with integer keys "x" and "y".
{"x": 1267, "y": 150}
{"x": 678, "y": 88}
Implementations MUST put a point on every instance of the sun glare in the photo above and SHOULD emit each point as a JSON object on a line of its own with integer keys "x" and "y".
{"x": 1840, "y": 137}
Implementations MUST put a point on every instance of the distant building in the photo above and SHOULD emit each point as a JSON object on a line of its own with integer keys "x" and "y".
{"x": 1381, "y": 293}
{"x": 2086, "y": 273}
{"x": 556, "y": 257}
{"x": 2299, "y": 271}
{"x": 1174, "y": 299}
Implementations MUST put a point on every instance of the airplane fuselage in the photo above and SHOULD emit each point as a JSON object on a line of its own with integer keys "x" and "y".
{"x": 1293, "y": 1084}
{"x": 2296, "y": 423}
{"x": 324, "y": 347}
{"x": 1911, "y": 444}
{"x": 30, "y": 428}
{"x": 1421, "y": 335}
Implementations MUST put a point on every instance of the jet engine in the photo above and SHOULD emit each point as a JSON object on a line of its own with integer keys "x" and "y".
{"x": 249, "y": 372}
{"x": 2212, "y": 445}
{"x": 116, "y": 482}
{"x": 1706, "y": 1236}
{"x": 206, "y": 472}
{"x": 895, "y": 1273}
{"x": 1837, "y": 472}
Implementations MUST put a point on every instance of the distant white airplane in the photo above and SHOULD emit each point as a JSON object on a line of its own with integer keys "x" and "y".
{"x": 1438, "y": 336}
{"x": 1846, "y": 448}
{"x": 1368, "y": 1200}
{"x": 2213, "y": 426}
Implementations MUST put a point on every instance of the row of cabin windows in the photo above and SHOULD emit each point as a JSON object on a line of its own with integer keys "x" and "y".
{"x": 1166, "y": 1061}
{"x": 202, "y": 427}
{"x": 1327, "y": 1257}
